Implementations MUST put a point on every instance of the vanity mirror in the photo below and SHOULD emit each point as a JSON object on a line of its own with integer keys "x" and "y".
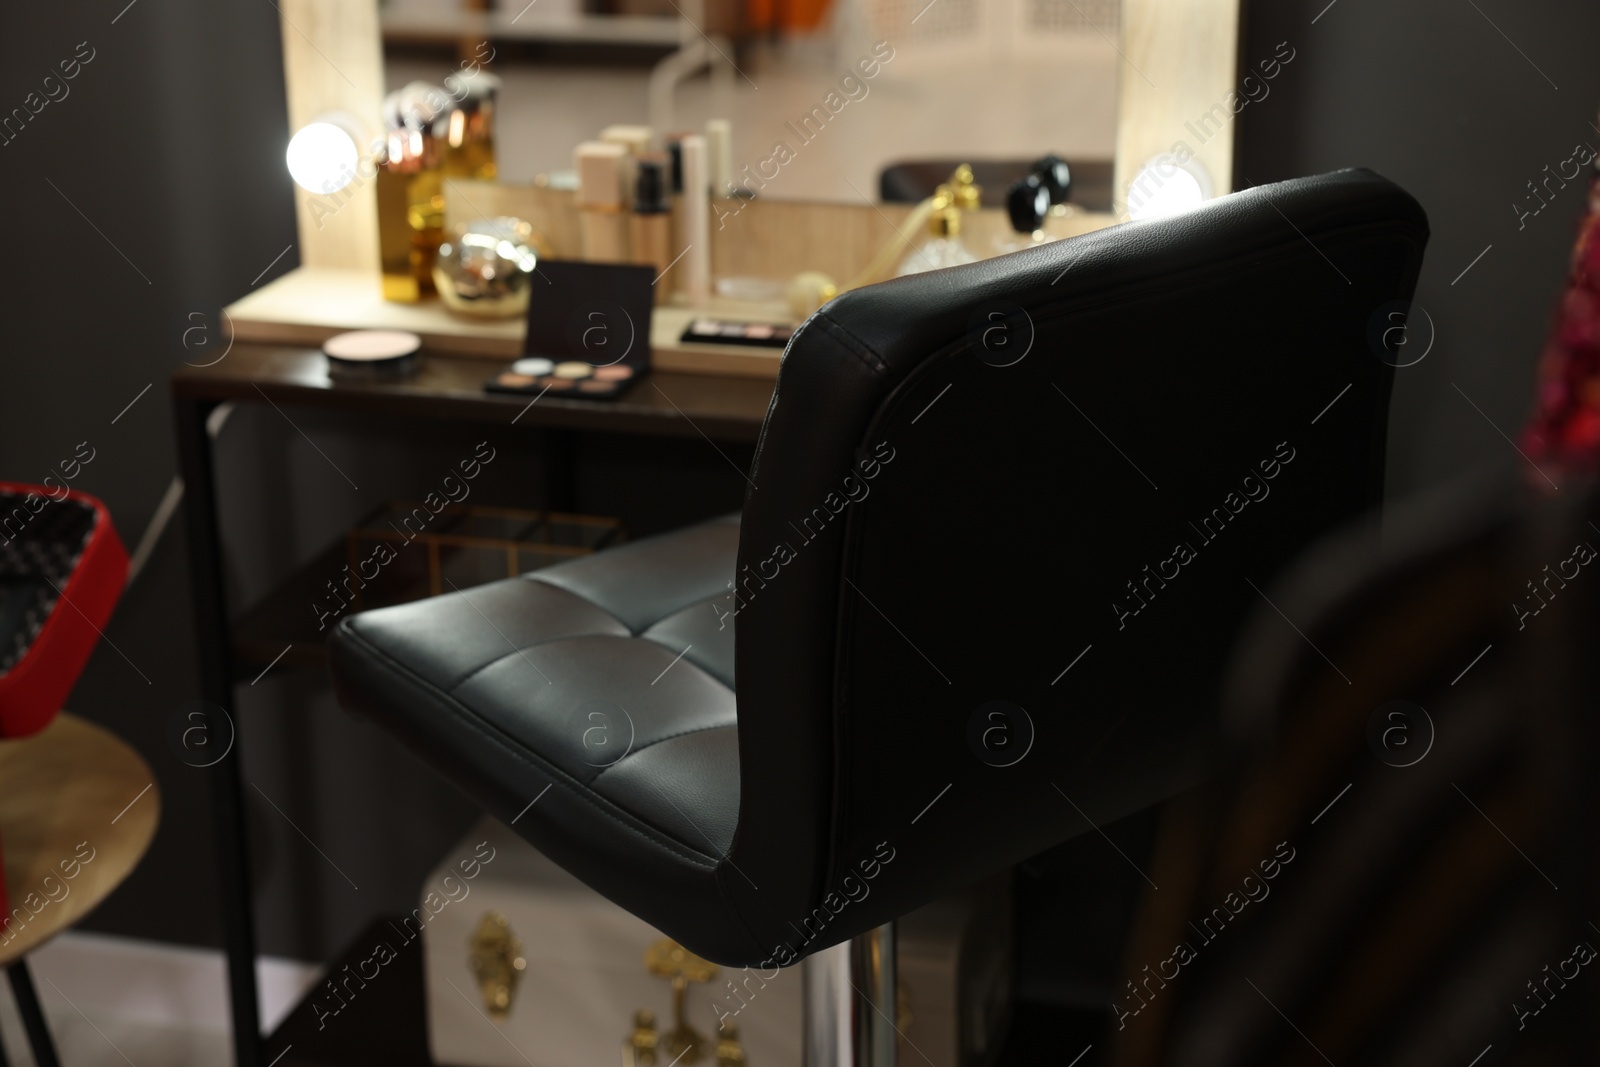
{"x": 1143, "y": 88}
{"x": 834, "y": 155}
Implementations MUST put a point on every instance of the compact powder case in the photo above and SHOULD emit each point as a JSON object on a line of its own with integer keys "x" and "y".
{"x": 588, "y": 332}
{"x": 372, "y": 352}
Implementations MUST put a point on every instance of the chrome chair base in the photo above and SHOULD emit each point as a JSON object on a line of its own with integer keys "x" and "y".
{"x": 848, "y": 1003}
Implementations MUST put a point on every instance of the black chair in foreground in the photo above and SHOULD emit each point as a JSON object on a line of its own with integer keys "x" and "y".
{"x": 1404, "y": 870}
{"x": 1002, "y": 527}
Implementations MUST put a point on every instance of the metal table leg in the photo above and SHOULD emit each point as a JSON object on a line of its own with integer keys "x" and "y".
{"x": 214, "y": 643}
{"x": 33, "y": 1020}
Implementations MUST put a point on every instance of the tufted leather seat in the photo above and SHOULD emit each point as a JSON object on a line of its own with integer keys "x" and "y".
{"x": 609, "y": 677}
{"x": 1070, "y": 529}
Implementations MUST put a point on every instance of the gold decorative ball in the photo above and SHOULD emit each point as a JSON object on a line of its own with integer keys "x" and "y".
{"x": 485, "y": 269}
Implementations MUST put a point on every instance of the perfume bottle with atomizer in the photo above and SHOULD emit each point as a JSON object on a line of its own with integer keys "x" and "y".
{"x": 1056, "y": 177}
{"x": 1027, "y": 204}
{"x": 944, "y": 247}
{"x": 1042, "y": 194}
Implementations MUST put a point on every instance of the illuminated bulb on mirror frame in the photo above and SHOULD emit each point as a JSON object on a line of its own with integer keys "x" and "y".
{"x": 1165, "y": 187}
{"x": 323, "y": 154}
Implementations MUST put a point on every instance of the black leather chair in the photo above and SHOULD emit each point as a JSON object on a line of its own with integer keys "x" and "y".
{"x": 1003, "y": 524}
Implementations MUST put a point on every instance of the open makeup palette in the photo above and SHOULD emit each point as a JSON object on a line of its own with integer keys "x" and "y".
{"x": 588, "y": 331}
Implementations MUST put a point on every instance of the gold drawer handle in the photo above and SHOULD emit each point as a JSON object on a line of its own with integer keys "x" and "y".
{"x": 496, "y": 961}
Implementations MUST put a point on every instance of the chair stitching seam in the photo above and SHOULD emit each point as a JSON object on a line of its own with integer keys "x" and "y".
{"x": 517, "y": 651}
{"x": 534, "y": 576}
{"x": 468, "y": 718}
{"x": 670, "y": 737}
{"x": 680, "y": 610}
{"x": 723, "y": 881}
{"x": 861, "y": 349}
{"x": 620, "y": 621}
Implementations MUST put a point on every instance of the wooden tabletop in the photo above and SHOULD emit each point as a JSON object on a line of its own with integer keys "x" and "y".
{"x": 78, "y": 808}
{"x": 661, "y": 403}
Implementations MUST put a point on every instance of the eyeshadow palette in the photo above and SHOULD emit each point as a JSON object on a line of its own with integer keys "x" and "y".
{"x": 588, "y": 332}
{"x": 537, "y": 375}
{"x": 705, "y": 331}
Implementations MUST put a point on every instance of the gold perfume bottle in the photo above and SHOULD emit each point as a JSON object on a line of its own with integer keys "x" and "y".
{"x": 469, "y": 127}
{"x": 411, "y": 192}
{"x": 944, "y": 247}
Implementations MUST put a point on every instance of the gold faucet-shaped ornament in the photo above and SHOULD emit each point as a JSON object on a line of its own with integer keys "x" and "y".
{"x": 496, "y": 961}
{"x": 639, "y": 1050}
{"x": 668, "y": 959}
{"x": 729, "y": 1052}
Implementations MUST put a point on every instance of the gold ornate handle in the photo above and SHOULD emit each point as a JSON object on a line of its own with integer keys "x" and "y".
{"x": 496, "y": 961}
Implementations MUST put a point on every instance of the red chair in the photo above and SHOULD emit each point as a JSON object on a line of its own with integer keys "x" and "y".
{"x": 78, "y": 807}
{"x": 62, "y": 569}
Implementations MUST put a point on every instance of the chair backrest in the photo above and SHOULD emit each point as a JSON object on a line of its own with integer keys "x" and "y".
{"x": 1007, "y": 519}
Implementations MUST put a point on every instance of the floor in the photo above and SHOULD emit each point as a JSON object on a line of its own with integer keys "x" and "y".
{"x": 115, "y": 1001}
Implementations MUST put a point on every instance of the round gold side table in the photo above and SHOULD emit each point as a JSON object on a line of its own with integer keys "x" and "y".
{"x": 78, "y": 808}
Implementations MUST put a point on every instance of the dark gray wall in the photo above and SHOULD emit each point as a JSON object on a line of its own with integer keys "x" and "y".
{"x": 1430, "y": 94}
{"x": 168, "y": 147}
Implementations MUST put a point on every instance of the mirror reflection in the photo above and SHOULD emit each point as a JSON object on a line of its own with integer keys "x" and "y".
{"x": 831, "y": 100}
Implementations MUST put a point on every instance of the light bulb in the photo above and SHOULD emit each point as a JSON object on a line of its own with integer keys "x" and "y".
{"x": 1165, "y": 187}
{"x": 323, "y": 156}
